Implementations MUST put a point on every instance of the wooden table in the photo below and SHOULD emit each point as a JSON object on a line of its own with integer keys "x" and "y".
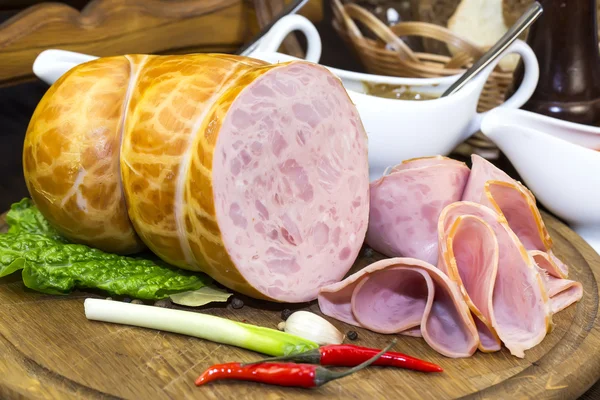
{"x": 50, "y": 351}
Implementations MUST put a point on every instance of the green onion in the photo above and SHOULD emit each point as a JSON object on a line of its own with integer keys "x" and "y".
{"x": 221, "y": 330}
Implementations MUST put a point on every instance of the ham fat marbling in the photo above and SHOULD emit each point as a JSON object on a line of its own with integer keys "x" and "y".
{"x": 254, "y": 173}
{"x": 492, "y": 252}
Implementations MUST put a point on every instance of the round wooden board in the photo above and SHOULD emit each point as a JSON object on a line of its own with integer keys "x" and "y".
{"x": 50, "y": 350}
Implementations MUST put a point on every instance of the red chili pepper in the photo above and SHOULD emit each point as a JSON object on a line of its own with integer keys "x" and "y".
{"x": 348, "y": 355}
{"x": 282, "y": 374}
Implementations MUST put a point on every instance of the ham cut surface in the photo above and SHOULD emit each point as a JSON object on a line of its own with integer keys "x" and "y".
{"x": 254, "y": 173}
{"x": 399, "y": 295}
{"x": 406, "y": 204}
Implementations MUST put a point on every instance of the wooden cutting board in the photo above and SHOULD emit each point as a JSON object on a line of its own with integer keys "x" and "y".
{"x": 48, "y": 349}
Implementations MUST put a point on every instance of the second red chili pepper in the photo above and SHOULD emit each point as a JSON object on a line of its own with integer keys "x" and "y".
{"x": 347, "y": 355}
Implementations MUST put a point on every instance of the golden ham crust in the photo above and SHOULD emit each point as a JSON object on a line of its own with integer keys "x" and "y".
{"x": 160, "y": 177}
{"x": 71, "y": 156}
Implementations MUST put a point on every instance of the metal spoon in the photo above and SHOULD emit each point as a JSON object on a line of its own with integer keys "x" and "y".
{"x": 506, "y": 40}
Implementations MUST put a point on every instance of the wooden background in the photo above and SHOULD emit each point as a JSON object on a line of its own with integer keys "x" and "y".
{"x": 113, "y": 27}
{"x": 50, "y": 351}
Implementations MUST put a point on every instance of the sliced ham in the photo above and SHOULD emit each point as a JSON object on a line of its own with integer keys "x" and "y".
{"x": 469, "y": 256}
{"x": 405, "y": 206}
{"x": 497, "y": 280}
{"x": 481, "y": 172}
{"x": 520, "y": 312}
{"x": 562, "y": 269}
{"x": 492, "y": 187}
{"x": 426, "y": 162}
{"x": 547, "y": 262}
{"x": 512, "y": 200}
{"x": 405, "y": 295}
{"x": 562, "y": 292}
{"x": 414, "y": 332}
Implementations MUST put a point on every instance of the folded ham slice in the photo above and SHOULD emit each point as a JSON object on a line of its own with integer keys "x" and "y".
{"x": 492, "y": 187}
{"x": 422, "y": 162}
{"x": 481, "y": 172}
{"x": 562, "y": 292}
{"x": 520, "y": 311}
{"x": 404, "y": 295}
{"x": 469, "y": 256}
{"x": 406, "y": 204}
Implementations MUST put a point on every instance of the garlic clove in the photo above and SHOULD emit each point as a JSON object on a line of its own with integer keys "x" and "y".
{"x": 310, "y": 326}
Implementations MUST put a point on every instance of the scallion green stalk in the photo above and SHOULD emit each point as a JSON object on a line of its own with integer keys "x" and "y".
{"x": 221, "y": 330}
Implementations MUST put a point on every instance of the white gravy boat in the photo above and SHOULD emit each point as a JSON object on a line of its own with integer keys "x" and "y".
{"x": 557, "y": 160}
{"x": 397, "y": 129}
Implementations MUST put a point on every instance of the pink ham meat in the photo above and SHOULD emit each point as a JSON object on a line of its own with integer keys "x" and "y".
{"x": 517, "y": 308}
{"x": 422, "y": 162}
{"x": 291, "y": 187}
{"x": 493, "y": 256}
{"x": 406, "y": 204}
{"x": 562, "y": 292}
{"x": 469, "y": 256}
{"x": 492, "y": 187}
{"x": 481, "y": 172}
{"x": 404, "y": 295}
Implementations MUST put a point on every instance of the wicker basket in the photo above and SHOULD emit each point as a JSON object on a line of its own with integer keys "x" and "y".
{"x": 384, "y": 53}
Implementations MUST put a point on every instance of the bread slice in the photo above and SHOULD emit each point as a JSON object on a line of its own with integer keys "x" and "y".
{"x": 482, "y": 22}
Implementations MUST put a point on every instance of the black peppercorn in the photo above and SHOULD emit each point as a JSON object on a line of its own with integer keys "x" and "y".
{"x": 352, "y": 335}
{"x": 127, "y": 300}
{"x": 368, "y": 252}
{"x": 164, "y": 303}
{"x": 237, "y": 303}
{"x": 285, "y": 314}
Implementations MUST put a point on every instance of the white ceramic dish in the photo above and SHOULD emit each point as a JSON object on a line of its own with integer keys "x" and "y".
{"x": 557, "y": 161}
{"x": 397, "y": 129}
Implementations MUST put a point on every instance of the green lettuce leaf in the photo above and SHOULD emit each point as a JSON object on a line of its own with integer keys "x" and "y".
{"x": 25, "y": 217}
{"x": 14, "y": 246}
{"x": 50, "y": 265}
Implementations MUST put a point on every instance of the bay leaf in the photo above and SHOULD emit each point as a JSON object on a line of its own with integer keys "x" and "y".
{"x": 200, "y": 297}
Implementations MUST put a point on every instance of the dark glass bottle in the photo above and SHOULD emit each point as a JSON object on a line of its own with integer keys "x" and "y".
{"x": 565, "y": 41}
